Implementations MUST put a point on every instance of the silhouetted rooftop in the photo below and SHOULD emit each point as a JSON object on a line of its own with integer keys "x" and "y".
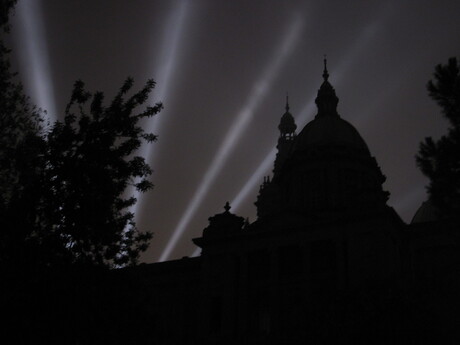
{"x": 425, "y": 213}
{"x": 329, "y": 130}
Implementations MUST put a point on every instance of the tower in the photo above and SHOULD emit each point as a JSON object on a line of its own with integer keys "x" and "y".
{"x": 287, "y": 129}
{"x": 323, "y": 229}
{"x": 268, "y": 198}
{"x": 326, "y": 172}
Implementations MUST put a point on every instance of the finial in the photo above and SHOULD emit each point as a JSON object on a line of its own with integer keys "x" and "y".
{"x": 327, "y": 99}
{"x": 227, "y": 207}
{"x": 325, "y": 73}
{"x": 287, "y": 102}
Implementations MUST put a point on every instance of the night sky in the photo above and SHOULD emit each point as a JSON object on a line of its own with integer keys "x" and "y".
{"x": 223, "y": 69}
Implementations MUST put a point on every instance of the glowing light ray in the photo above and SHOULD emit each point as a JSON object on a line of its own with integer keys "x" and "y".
{"x": 408, "y": 200}
{"x": 266, "y": 163}
{"x": 256, "y": 177}
{"x": 36, "y": 55}
{"x": 173, "y": 33}
{"x": 243, "y": 118}
{"x": 172, "y": 39}
{"x": 303, "y": 117}
{"x": 263, "y": 169}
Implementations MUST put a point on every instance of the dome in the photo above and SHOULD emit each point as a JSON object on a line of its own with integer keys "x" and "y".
{"x": 224, "y": 224}
{"x": 329, "y": 130}
{"x": 287, "y": 123}
{"x": 327, "y": 170}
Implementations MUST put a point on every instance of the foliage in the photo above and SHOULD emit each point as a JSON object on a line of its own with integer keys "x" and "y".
{"x": 90, "y": 164}
{"x": 21, "y": 146}
{"x": 6, "y": 6}
{"x": 440, "y": 160}
{"x": 64, "y": 191}
{"x": 18, "y": 119}
{"x": 64, "y": 207}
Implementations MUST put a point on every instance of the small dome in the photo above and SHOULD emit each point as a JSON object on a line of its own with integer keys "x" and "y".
{"x": 224, "y": 224}
{"x": 329, "y": 130}
{"x": 287, "y": 123}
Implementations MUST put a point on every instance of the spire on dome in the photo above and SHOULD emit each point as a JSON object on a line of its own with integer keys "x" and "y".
{"x": 326, "y": 100}
{"x": 287, "y": 128}
{"x": 325, "y": 72}
{"x": 287, "y": 124}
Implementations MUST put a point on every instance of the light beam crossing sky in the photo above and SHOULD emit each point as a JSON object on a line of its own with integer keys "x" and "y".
{"x": 232, "y": 137}
{"x": 36, "y": 57}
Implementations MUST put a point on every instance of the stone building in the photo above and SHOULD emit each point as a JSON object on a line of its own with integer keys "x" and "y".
{"x": 326, "y": 262}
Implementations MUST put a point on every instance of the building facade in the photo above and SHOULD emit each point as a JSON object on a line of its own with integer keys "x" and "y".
{"x": 326, "y": 262}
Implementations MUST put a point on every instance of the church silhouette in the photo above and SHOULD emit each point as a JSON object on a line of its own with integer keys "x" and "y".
{"x": 326, "y": 262}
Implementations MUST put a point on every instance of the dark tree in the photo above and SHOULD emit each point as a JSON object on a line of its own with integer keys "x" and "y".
{"x": 440, "y": 160}
{"x": 21, "y": 159}
{"x": 90, "y": 166}
{"x": 21, "y": 171}
{"x": 6, "y": 6}
{"x": 64, "y": 191}
{"x": 64, "y": 201}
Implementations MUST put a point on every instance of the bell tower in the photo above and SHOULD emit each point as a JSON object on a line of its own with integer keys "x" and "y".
{"x": 269, "y": 194}
{"x": 287, "y": 128}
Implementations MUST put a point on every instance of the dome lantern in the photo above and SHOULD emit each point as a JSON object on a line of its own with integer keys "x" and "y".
{"x": 326, "y": 100}
{"x": 287, "y": 124}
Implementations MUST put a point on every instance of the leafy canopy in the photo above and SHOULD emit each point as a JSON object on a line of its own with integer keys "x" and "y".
{"x": 90, "y": 163}
{"x": 64, "y": 192}
{"x": 21, "y": 145}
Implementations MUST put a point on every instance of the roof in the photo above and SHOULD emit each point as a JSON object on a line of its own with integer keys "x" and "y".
{"x": 426, "y": 213}
{"x": 329, "y": 130}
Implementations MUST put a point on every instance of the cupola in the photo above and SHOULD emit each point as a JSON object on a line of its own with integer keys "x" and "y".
{"x": 223, "y": 224}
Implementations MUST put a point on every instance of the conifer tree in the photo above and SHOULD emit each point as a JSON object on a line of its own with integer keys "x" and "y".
{"x": 440, "y": 160}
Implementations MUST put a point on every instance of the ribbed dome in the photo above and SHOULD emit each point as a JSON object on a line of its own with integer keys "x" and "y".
{"x": 329, "y": 130}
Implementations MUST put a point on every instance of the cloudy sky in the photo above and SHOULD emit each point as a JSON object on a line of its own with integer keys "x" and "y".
{"x": 223, "y": 69}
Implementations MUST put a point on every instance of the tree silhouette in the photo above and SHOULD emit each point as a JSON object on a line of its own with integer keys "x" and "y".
{"x": 90, "y": 163}
{"x": 440, "y": 160}
{"x": 63, "y": 193}
{"x": 64, "y": 202}
{"x": 21, "y": 159}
